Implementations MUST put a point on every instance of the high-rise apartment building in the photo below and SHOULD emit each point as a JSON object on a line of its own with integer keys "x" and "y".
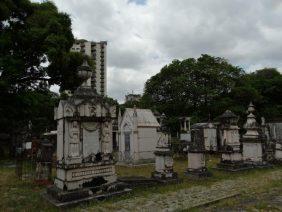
{"x": 97, "y": 51}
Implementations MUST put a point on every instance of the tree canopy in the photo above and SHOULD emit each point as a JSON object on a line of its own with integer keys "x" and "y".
{"x": 207, "y": 86}
{"x": 34, "y": 44}
{"x": 35, "y": 39}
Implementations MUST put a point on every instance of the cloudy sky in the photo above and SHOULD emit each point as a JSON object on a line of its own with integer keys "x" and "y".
{"x": 144, "y": 35}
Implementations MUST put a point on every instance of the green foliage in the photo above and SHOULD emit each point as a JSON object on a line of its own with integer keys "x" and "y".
{"x": 35, "y": 39}
{"x": 18, "y": 109}
{"x": 210, "y": 85}
{"x": 190, "y": 87}
{"x": 32, "y": 34}
{"x": 264, "y": 88}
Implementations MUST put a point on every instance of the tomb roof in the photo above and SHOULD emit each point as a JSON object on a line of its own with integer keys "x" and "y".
{"x": 145, "y": 117}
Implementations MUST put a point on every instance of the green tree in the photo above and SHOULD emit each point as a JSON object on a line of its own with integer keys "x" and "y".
{"x": 191, "y": 87}
{"x": 264, "y": 88}
{"x": 35, "y": 40}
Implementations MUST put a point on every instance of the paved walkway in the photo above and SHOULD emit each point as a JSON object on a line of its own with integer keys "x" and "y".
{"x": 191, "y": 197}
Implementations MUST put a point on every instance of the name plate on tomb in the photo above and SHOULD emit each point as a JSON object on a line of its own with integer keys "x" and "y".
{"x": 95, "y": 171}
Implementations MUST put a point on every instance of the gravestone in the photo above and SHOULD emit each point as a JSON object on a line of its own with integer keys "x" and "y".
{"x": 84, "y": 142}
{"x": 163, "y": 156}
{"x": 196, "y": 153}
{"x": 254, "y": 142}
{"x": 275, "y": 135}
{"x": 231, "y": 151}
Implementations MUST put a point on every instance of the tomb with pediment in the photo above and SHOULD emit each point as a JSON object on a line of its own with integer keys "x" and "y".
{"x": 84, "y": 142}
{"x": 138, "y": 136}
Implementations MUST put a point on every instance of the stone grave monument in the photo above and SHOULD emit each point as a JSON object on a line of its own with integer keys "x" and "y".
{"x": 231, "y": 151}
{"x": 196, "y": 153}
{"x": 274, "y": 134}
{"x": 254, "y": 142}
{"x": 84, "y": 142}
{"x": 164, "y": 156}
{"x": 185, "y": 134}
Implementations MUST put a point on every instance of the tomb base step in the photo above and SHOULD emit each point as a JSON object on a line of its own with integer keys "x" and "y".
{"x": 233, "y": 166}
{"x": 241, "y": 166}
{"x": 277, "y": 161}
{"x": 262, "y": 165}
{"x": 164, "y": 175}
{"x": 62, "y": 198}
{"x": 136, "y": 181}
{"x": 198, "y": 173}
{"x": 166, "y": 178}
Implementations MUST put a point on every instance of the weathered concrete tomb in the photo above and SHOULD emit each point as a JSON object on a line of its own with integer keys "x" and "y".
{"x": 231, "y": 149}
{"x": 84, "y": 142}
{"x": 196, "y": 152}
{"x": 253, "y": 141}
{"x": 274, "y": 134}
{"x": 164, "y": 156}
{"x": 137, "y": 136}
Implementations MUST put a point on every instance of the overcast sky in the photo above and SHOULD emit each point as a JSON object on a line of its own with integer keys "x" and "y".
{"x": 144, "y": 35}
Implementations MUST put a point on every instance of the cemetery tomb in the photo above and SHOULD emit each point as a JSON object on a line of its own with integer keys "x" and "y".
{"x": 196, "y": 153}
{"x": 164, "y": 156}
{"x": 231, "y": 153}
{"x": 254, "y": 142}
{"x": 84, "y": 142}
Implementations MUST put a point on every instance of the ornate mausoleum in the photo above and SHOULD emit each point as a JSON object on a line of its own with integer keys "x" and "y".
{"x": 84, "y": 140}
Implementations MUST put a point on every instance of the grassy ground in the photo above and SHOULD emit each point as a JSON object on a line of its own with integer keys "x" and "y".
{"x": 16, "y": 195}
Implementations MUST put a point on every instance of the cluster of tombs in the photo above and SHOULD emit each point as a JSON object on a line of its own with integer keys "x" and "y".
{"x": 85, "y": 137}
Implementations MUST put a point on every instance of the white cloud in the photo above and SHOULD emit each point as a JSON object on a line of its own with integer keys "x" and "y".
{"x": 145, "y": 35}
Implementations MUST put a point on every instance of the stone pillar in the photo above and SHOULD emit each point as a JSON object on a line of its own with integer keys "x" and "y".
{"x": 253, "y": 141}
{"x": 164, "y": 156}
